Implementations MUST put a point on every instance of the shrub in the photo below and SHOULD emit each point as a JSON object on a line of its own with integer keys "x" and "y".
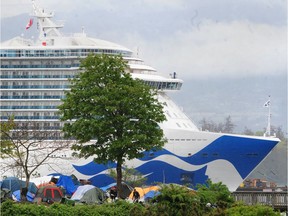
{"x": 175, "y": 200}
{"x": 255, "y": 210}
{"x": 214, "y": 193}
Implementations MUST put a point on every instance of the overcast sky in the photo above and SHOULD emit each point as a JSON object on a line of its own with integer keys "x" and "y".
{"x": 201, "y": 40}
{"x": 194, "y": 38}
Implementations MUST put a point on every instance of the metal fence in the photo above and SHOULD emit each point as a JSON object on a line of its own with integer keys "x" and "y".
{"x": 277, "y": 200}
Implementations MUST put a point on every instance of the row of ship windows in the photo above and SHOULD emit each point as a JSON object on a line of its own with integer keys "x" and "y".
{"x": 37, "y": 73}
{"x": 62, "y": 52}
{"x": 188, "y": 140}
{"x": 34, "y": 87}
{"x": 33, "y": 97}
{"x": 27, "y": 107}
{"x": 35, "y": 76}
{"x": 164, "y": 85}
{"x": 30, "y": 117}
{"x": 34, "y": 82}
{"x": 157, "y": 85}
{"x": 41, "y": 66}
{"x": 24, "y": 114}
{"x": 32, "y": 93}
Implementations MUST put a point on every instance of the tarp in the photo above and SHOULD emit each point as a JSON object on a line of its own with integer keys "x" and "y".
{"x": 88, "y": 194}
{"x": 16, "y": 195}
{"x": 67, "y": 183}
{"x": 151, "y": 194}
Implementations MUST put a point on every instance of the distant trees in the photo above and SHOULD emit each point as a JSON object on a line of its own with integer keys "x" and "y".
{"x": 25, "y": 147}
{"x": 112, "y": 116}
{"x": 275, "y": 131}
{"x": 226, "y": 127}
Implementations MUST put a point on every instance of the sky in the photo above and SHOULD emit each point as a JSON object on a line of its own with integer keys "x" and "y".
{"x": 198, "y": 39}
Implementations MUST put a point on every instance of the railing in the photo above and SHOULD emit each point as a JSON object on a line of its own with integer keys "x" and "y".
{"x": 277, "y": 200}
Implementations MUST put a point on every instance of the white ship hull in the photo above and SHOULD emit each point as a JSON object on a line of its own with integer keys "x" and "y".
{"x": 189, "y": 157}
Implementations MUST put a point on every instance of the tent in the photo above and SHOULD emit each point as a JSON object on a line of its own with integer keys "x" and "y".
{"x": 150, "y": 192}
{"x": 126, "y": 189}
{"x": 15, "y": 185}
{"x": 49, "y": 193}
{"x": 88, "y": 194}
{"x": 150, "y": 195}
{"x": 67, "y": 183}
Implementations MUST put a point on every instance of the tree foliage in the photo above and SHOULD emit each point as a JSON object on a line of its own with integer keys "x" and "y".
{"x": 113, "y": 116}
{"x": 130, "y": 176}
{"x": 251, "y": 210}
{"x": 25, "y": 147}
{"x": 176, "y": 200}
{"x": 214, "y": 193}
{"x": 6, "y": 147}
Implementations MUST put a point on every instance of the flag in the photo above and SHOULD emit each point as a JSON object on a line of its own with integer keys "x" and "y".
{"x": 29, "y": 24}
{"x": 267, "y": 104}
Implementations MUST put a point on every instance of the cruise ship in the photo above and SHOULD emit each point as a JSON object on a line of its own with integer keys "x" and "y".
{"x": 35, "y": 73}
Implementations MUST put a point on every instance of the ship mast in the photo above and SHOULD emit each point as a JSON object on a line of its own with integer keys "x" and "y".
{"x": 47, "y": 28}
{"x": 268, "y": 129}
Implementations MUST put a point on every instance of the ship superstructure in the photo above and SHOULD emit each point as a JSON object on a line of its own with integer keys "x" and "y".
{"x": 34, "y": 76}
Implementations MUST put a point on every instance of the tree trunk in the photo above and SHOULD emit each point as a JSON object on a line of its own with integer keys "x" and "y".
{"x": 119, "y": 179}
{"x": 27, "y": 181}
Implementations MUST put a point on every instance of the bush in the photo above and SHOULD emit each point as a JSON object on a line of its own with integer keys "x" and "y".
{"x": 255, "y": 210}
{"x": 120, "y": 208}
{"x": 175, "y": 200}
{"x": 216, "y": 194}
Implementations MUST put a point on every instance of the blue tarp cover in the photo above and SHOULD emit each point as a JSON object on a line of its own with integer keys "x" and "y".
{"x": 67, "y": 183}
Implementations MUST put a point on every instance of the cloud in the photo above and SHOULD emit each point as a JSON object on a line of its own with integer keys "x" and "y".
{"x": 238, "y": 48}
{"x": 14, "y": 7}
{"x": 178, "y": 37}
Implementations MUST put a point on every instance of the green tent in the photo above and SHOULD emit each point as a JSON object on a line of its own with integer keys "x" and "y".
{"x": 89, "y": 194}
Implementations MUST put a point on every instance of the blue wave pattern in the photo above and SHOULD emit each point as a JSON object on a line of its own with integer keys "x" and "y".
{"x": 244, "y": 153}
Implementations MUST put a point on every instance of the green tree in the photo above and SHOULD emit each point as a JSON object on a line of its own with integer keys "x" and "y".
{"x": 6, "y": 146}
{"x": 112, "y": 116}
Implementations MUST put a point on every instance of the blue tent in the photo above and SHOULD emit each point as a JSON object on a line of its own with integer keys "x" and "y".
{"x": 67, "y": 183}
{"x": 15, "y": 185}
{"x": 151, "y": 194}
{"x": 108, "y": 186}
